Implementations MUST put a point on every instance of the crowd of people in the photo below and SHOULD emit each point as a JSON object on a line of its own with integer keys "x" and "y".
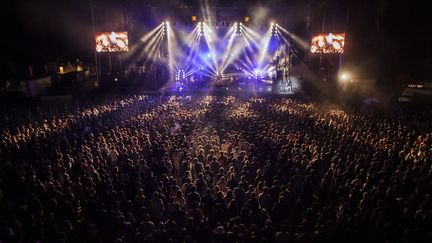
{"x": 214, "y": 169}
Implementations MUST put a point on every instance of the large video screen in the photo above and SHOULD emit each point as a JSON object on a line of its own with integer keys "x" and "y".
{"x": 112, "y": 42}
{"x": 328, "y": 43}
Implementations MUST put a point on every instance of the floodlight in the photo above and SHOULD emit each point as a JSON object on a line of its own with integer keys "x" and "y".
{"x": 344, "y": 76}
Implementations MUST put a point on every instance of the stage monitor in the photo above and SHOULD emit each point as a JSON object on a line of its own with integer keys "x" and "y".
{"x": 328, "y": 43}
{"x": 112, "y": 42}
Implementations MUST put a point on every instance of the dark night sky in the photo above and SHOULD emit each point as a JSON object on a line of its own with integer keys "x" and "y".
{"x": 45, "y": 30}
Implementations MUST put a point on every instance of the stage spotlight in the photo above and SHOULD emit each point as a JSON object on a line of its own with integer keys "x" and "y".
{"x": 164, "y": 27}
{"x": 274, "y": 29}
{"x": 166, "y": 22}
{"x": 180, "y": 75}
{"x": 344, "y": 77}
{"x": 258, "y": 73}
{"x": 201, "y": 28}
{"x": 272, "y": 24}
{"x": 238, "y": 29}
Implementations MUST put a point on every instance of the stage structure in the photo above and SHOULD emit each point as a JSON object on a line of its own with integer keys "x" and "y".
{"x": 207, "y": 54}
{"x": 215, "y": 45}
{"x": 330, "y": 45}
{"x": 203, "y": 56}
{"x": 108, "y": 45}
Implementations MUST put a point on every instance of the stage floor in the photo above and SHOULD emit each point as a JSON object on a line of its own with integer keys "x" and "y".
{"x": 243, "y": 87}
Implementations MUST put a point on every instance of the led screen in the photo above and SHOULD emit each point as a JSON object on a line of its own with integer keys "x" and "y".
{"x": 112, "y": 42}
{"x": 328, "y": 43}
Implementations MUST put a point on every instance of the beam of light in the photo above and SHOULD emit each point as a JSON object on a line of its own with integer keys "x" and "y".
{"x": 228, "y": 33}
{"x": 147, "y": 40}
{"x": 249, "y": 64}
{"x": 192, "y": 72}
{"x": 205, "y": 11}
{"x": 248, "y": 52}
{"x": 251, "y": 50}
{"x": 236, "y": 47}
{"x": 208, "y": 36}
{"x": 157, "y": 38}
{"x": 299, "y": 41}
{"x": 176, "y": 54}
{"x": 193, "y": 42}
{"x": 188, "y": 37}
{"x": 189, "y": 71}
{"x": 227, "y": 51}
{"x": 208, "y": 73}
{"x": 193, "y": 47}
{"x": 150, "y": 34}
{"x": 194, "y": 52}
{"x": 235, "y": 51}
{"x": 203, "y": 60}
{"x": 204, "y": 72}
{"x": 252, "y": 42}
{"x": 152, "y": 53}
{"x": 170, "y": 45}
{"x": 255, "y": 46}
{"x": 134, "y": 53}
{"x": 264, "y": 44}
{"x": 152, "y": 45}
{"x": 250, "y": 33}
{"x": 249, "y": 44}
{"x": 247, "y": 68}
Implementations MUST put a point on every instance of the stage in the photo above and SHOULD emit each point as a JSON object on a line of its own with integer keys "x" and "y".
{"x": 243, "y": 87}
{"x": 240, "y": 87}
